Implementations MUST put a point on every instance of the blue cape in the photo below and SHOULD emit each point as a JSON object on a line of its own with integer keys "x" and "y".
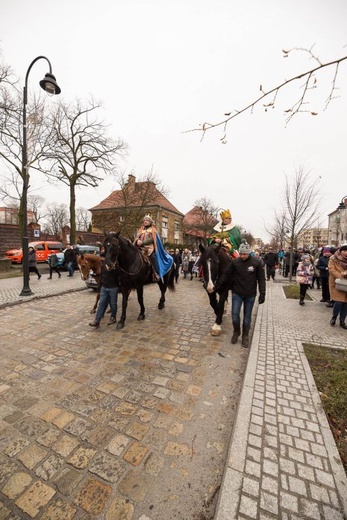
{"x": 164, "y": 260}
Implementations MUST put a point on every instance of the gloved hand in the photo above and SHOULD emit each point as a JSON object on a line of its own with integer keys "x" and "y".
{"x": 261, "y": 298}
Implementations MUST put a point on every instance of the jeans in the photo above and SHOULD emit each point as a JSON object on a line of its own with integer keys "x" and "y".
{"x": 237, "y": 301}
{"x": 70, "y": 268}
{"x": 340, "y": 308}
{"x": 108, "y": 295}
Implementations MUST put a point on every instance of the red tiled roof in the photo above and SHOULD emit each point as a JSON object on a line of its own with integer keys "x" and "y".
{"x": 116, "y": 199}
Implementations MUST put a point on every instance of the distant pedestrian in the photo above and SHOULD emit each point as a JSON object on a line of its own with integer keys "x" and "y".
{"x": 70, "y": 258}
{"x": 52, "y": 262}
{"x": 338, "y": 269}
{"x": 271, "y": 260}
{"x": 304, "y": 276}
{"x": 32, "y": 262}
{"x": 322, "y": 266}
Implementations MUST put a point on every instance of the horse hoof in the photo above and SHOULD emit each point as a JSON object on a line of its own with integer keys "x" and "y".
{"x": 215, "y": 332}
{"x": 120, "y": 325}
{"x": 161, "y": 306}
{"x": 141, "y": 317}
{"x": 93, "y": 311}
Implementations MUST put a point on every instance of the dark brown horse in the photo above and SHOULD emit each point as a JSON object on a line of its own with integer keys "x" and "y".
{"x": 86, "y": 263}
{"x": 214, "y": 261}
{"x": 134, "y": 271}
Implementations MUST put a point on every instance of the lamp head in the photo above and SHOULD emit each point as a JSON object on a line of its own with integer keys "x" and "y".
{"x": 49, "y": 84}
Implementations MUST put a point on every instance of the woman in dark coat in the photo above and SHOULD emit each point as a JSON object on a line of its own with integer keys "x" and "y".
{"x": 32, "y": 262}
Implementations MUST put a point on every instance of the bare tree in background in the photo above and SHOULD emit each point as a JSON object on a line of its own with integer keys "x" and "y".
{"x": 11, "y": 114}
{"x": 83, "y": 219}
{"x": 128, "y": 205}
{"x": 299, "y": 106}
{"x": 200, "y": 221}
{"x": 36, "y": 204}
{"x": 301, "y": 206}
{"x": 81, "y": 153}
{"x": 278, "y": 230}
{"x": 57, "y": 216}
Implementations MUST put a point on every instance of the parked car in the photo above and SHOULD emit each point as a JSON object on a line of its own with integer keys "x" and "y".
{"x": 95, "y": 250}
{"x": 91, "y": 282}
{"x": 44, "y": 248}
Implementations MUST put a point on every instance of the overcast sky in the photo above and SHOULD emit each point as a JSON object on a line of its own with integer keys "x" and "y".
{"x": 162, "y": 67}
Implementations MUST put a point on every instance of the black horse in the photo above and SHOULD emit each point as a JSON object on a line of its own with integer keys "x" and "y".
{"x": 134, "y": 271}
{"x": 214, "y": 261}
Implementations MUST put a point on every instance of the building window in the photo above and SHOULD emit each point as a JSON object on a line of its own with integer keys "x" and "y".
{"x": 164, "y": 223}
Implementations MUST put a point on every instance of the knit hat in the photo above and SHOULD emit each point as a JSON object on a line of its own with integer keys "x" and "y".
{"x": 326, "y": 250}
{"x": 343, "y": 248}
{"x": 305, "y": 257}
{"x": 245, "y": 249}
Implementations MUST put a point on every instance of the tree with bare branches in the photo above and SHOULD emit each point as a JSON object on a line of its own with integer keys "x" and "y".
{"x": 128, "y": 205}
{"x": 301, "y": 206}
{"x": 80, "y": 153}
{"x": 11, "y": 139}
{"x": 199, "y": 221}
{"x": 83, "y": 219}
{"x": 309, "y": 78}
{"x": 57, "y": 216}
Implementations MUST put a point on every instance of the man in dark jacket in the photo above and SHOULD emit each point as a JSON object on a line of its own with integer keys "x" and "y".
{"x": 322, "y": 266}
{"x": 69, "y": 259}
{"x": 108, "y": 295}
{"x": 271, "y": 260}
{"x": 243, "y": 276}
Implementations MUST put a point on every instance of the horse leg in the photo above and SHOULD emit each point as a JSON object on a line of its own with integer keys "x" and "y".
{"x": 162, "y": 288}
{"x": 125, "y": 296}
{"x": 219, "y": 311}
{"x": 93, "y": 311}
{"x": 141, "y": 316}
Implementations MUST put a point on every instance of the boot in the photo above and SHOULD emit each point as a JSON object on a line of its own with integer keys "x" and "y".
{"x": 333, "y": 321}
{"x": 49, "y": 278}
{"x": 245, "y": 338}
{"x": 95, "y": 324}
{"x": 343, "y": 325}
{"x": 236, "y": 334}
{"x": 112, "y": 321}
{"x": 301, "y": 302}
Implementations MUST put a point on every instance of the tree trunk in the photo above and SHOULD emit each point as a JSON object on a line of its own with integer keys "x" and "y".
{"x": 72, "y": 214}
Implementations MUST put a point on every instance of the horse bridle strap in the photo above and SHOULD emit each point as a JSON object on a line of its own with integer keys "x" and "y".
{"x": 123, "y": 270}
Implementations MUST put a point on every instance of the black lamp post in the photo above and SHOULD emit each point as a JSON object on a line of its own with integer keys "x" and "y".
{"x": 50, "y": 85}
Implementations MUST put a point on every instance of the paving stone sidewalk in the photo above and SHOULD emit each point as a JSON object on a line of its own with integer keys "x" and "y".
{"x": 113, "y": 425}
{"x": 283, "y": 462}
{"x": 87, "y": 431}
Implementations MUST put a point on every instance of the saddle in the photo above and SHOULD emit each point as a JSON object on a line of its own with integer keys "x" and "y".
{"x": 147, "y": 260}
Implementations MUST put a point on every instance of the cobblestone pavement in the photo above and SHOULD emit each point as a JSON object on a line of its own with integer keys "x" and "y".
{"x": 283, "y": 462}
{"x": 129, "y": 425}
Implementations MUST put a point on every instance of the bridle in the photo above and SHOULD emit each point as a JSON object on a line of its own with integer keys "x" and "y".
{"x": 115, "y": 264}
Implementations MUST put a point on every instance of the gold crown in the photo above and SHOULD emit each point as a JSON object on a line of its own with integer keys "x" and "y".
{"x": 225, "y": 214}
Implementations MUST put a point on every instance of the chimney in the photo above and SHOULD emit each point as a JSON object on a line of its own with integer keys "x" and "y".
{"x": 131, "y": 181}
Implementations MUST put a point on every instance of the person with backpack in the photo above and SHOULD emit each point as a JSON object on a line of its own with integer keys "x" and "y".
{"x": 52, "y": 262}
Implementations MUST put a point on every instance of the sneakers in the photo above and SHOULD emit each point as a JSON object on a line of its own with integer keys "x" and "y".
{"x": 343, "y": 325}
{"x": 95, "y": 324}
{"x": 112, "y": 321}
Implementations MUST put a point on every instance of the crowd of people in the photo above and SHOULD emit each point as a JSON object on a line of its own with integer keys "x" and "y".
{"x": 325, "y": 268}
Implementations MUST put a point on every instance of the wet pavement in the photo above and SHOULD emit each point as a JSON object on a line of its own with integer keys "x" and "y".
{"x": 132, "y": 424}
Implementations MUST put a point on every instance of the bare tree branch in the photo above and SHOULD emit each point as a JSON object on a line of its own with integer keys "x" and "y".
{"x": 298, "y": 106}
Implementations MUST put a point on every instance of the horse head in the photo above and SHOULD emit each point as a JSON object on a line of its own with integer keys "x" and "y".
{"x": 210, "y": 262}
{"x": 83, "y": 266}
{"x": 112, "y": 250}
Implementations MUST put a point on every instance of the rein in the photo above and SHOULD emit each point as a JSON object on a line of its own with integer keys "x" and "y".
{"x": 116, "y": 263}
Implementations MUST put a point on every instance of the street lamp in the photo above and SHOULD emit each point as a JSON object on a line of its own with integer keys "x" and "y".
{"x": 49, "y": 84}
